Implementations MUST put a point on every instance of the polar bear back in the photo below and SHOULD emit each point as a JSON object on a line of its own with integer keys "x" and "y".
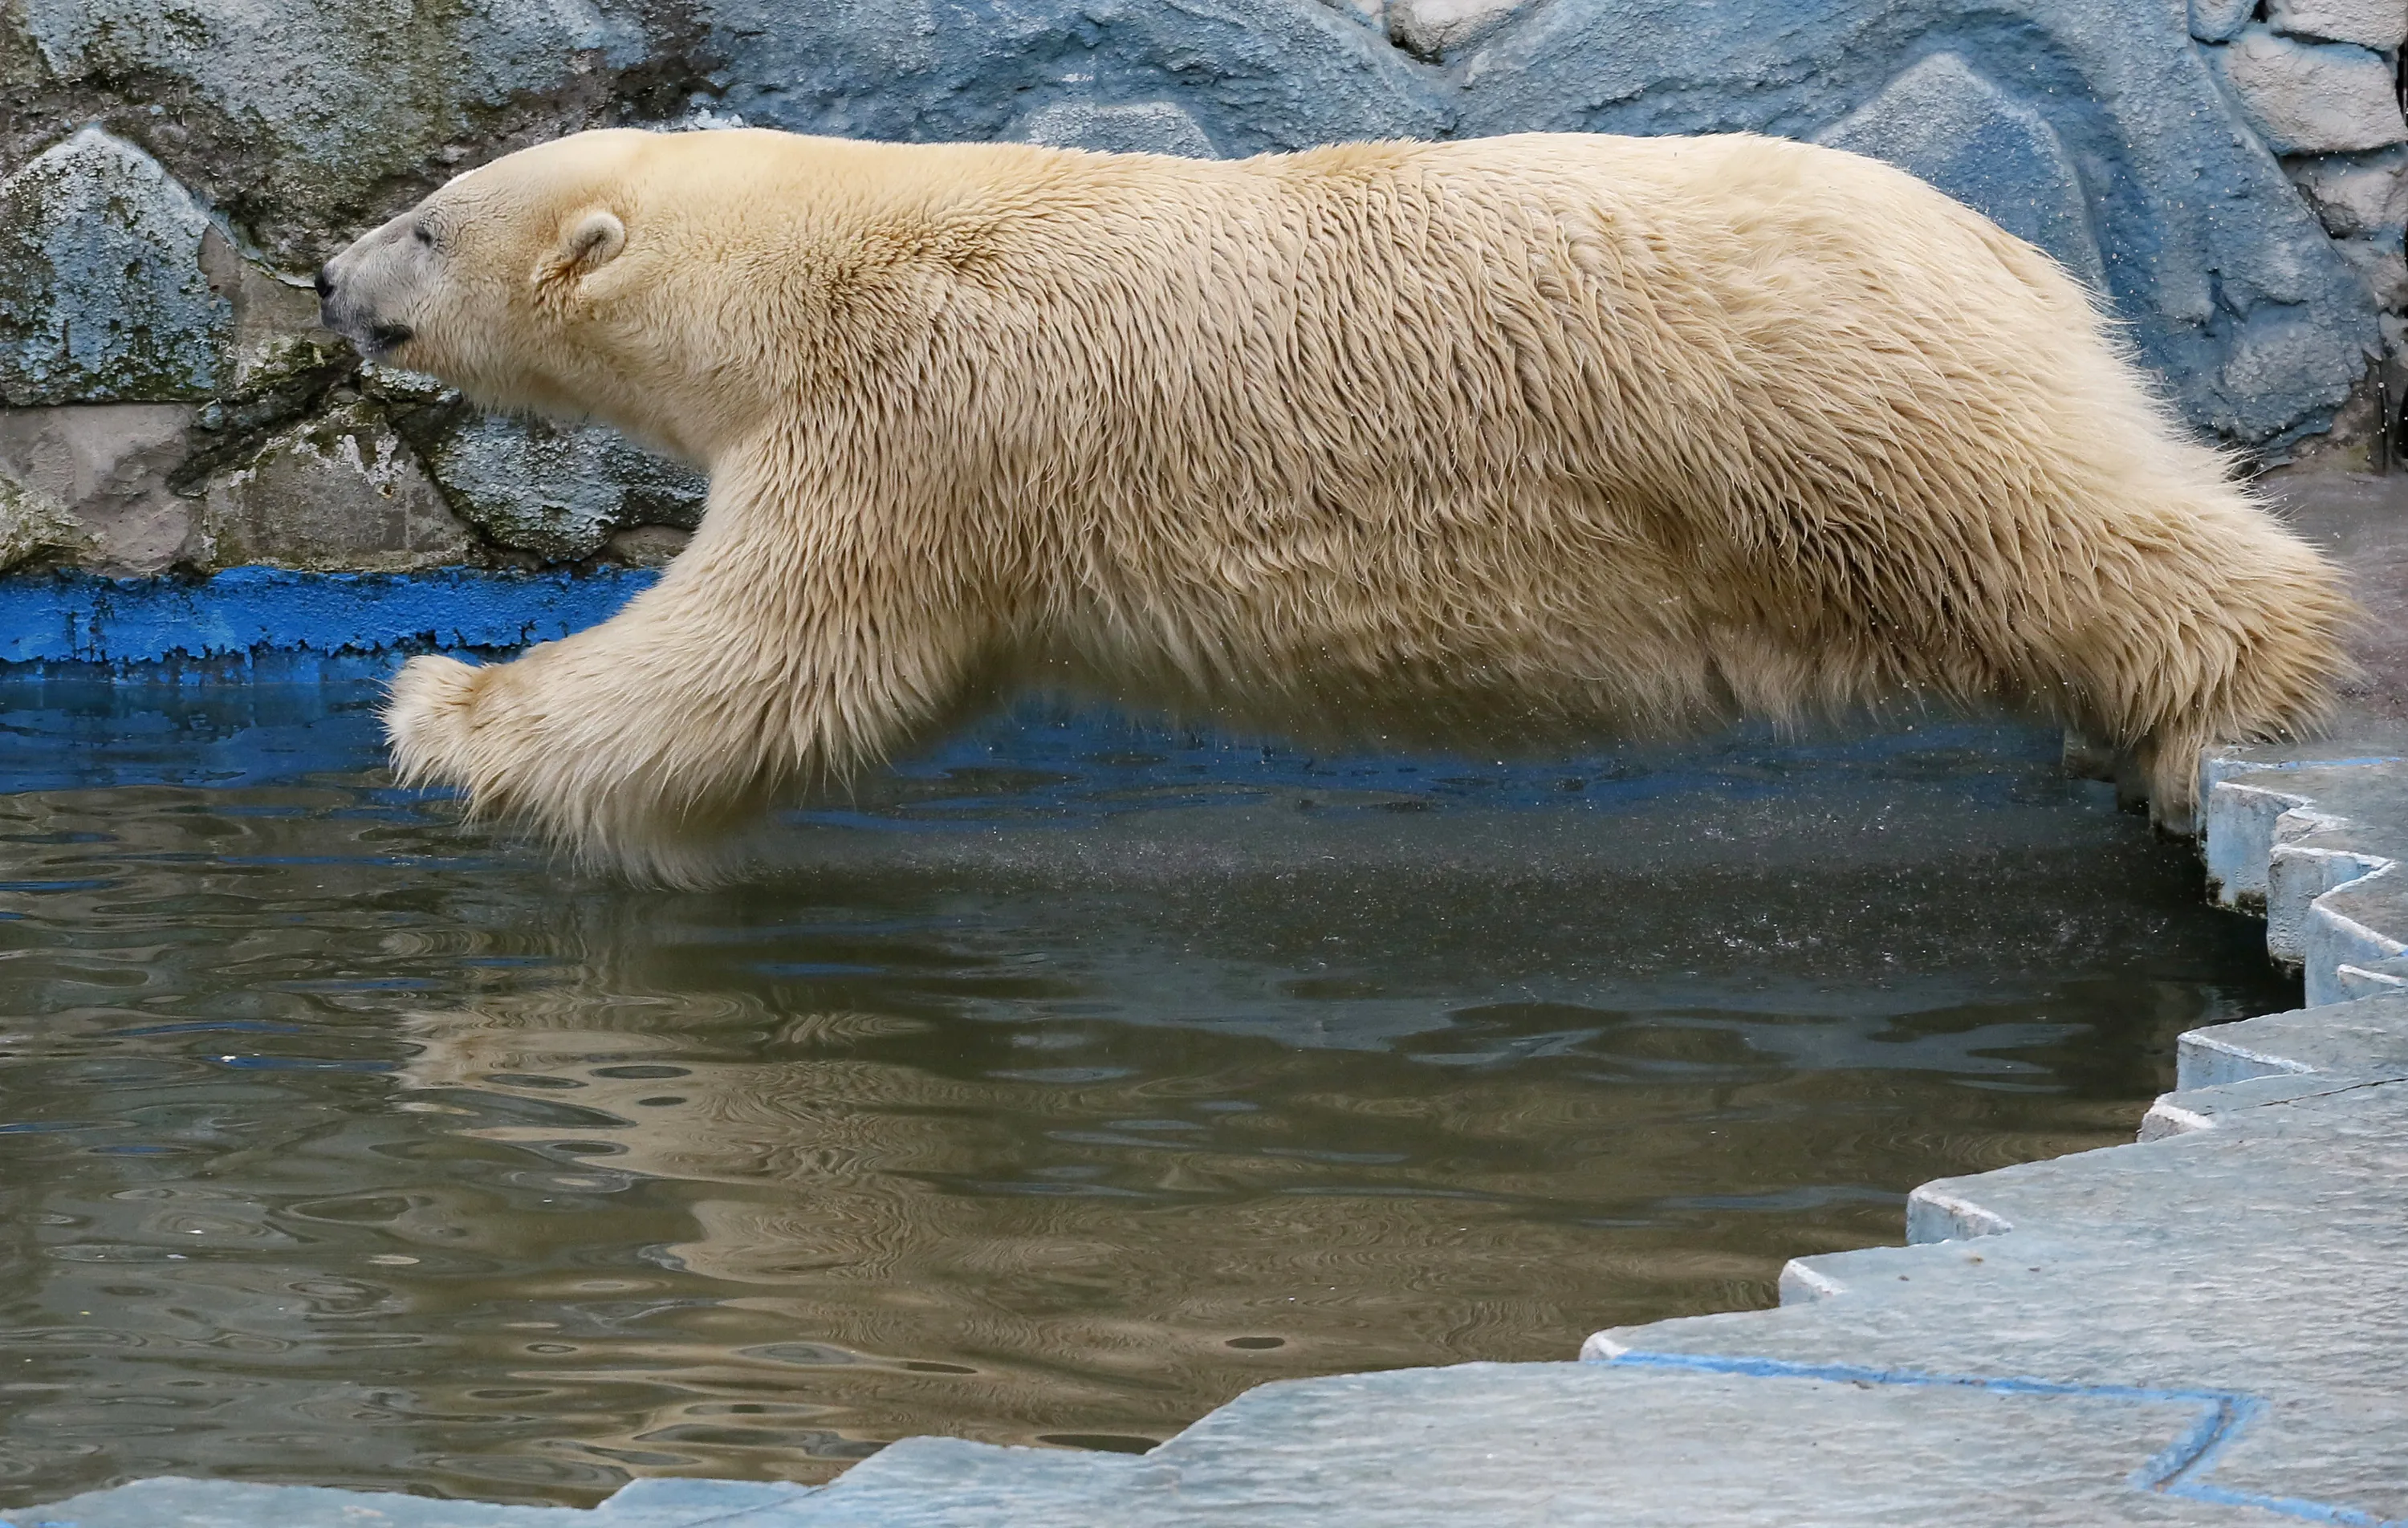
{"x": 1554, "y": 429}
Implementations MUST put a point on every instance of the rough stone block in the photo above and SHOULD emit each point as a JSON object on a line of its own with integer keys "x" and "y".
{"x": 2217, "y": 20}
{"x": 2231, "y": 289}
{"x": 2354, "y": 927}
{"x": 2379, "y": 263}
{"x": 107, "y": 466}
{"x": 1140, "y": 127}
{"x": 102, "y": 297}
{"x": 1255, "y": 75}
{"x": 2370, "y": 23}
{"x": 1946, "y": 124}
{"x": 320, "y": 108}
{"x": 2312, "y": 855}
{"x": 2313, "y": 98}
{"x": 646, "y": 546}
{"x": 33, "y": 524}
{"x": 405, "y": 388}
{"x": 2365, "y": 1038}
{"x": 275, "y": 329}
{"x": 340, "y": 492}
{"x": 2357, "y": 194}
{"x": 558, "y": 491}
{"x": 2275, "y": 343}
{"x": 1437, "y": 29}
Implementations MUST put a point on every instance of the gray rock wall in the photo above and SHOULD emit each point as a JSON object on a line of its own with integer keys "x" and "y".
{"x": 2230, "y": 174}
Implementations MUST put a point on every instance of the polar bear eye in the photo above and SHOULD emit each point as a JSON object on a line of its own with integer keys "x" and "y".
{"x": 423, "y": 233}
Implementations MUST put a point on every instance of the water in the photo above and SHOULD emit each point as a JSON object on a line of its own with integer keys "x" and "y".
{"x": 1055, "y": 1090}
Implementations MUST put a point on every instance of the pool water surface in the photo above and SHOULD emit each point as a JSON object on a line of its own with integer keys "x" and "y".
{"x": 1054, "y": 1089}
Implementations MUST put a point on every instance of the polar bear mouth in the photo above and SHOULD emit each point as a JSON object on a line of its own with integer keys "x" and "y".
{"x": 345, "y": 314}
{"x": 375, "y": 340}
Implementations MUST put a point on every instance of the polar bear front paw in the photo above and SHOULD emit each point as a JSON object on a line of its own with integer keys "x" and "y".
{"x": 428, "y": 715}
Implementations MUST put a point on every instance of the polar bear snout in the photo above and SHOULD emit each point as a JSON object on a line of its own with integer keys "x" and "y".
{"x": 341, "y": 310}
{"x": 366, "y": 292}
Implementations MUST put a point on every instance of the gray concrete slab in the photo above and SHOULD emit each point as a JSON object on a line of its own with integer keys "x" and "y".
{"x": 169, "y": 1503}
{"x": 2319, "y": 849}
{"x": 2262, "y": 1258}
{"x": 1634, "y": 1443}
{"x": 2366, "y": 1038}
{"x": 2314, "y": 834}
{"x": 2362, "y": 523}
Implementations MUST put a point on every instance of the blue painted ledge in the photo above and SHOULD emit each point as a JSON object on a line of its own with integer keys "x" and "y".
{"x": 79, "y": 618}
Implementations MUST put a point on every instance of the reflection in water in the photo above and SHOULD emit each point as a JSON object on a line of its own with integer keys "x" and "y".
{"x": 1054, "y": 1090}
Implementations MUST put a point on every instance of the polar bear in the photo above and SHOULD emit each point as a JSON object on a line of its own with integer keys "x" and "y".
{"x": 1515, "y": 441}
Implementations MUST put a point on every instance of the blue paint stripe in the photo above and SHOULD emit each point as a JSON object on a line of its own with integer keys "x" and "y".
{"x": 1774, "y": 1368}
{"x": 2196, "y": 1451}
{"x": 2223, "y": 1416}
{"x": 2288, "y": 1505}
{"x": 2317, "y": 764}
{"x": 79, "y": 618}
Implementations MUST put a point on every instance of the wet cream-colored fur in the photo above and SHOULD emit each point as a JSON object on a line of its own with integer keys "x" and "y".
{"x": 1515, "y": 441}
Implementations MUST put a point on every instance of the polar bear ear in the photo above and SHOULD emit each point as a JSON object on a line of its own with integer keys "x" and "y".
{"x": 589, "y": 242}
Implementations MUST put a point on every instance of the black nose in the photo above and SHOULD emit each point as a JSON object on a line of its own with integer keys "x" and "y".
{"x": 325, "y": 284}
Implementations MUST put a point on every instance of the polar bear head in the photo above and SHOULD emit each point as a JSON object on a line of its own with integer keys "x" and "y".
{"x": 578, "y": 277}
